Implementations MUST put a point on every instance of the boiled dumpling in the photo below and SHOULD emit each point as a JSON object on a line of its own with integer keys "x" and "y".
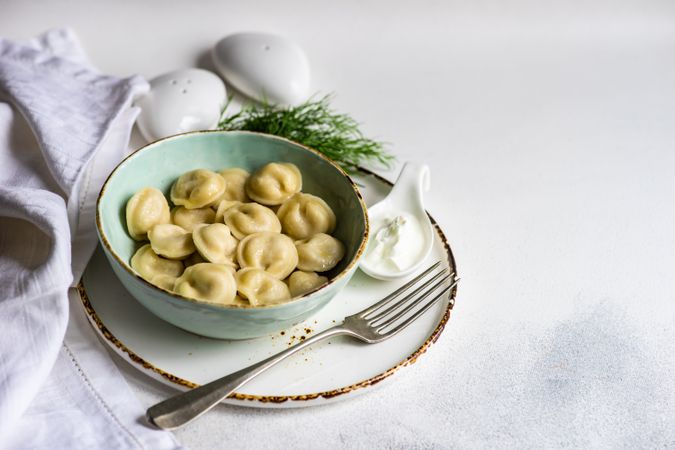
{"x": 223, "y": 206}
{"x": 215, "y": 243}
{"x": 197, "y": 188}
{"x": 209, "y": 282}
{"x": 274, "y": 183}
{"x": 151, "y": 266}
{"x": 145, "y": 209}
{"x": 305, "y": 215}
{"x": 189, "y": 218}
{"x": 249, "y": 218}
{"x": 301, "y": 282}
{"x": 272, "y": 252}
{"x": 260, "y": 288}
{"x": 171, "y": 241}
{"x": 235, "y": 184}
{"x": 319, "y": 253}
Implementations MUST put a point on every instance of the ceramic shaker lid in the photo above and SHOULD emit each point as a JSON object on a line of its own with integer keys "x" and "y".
{"x": 264, "y": 66}
{"x": 180, "y": 101}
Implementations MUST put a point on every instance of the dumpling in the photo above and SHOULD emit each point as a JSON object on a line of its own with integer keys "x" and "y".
{"x": 189, "y": 218}
{"x": 301, "y": 282}
{"x": 152, "y": 267}
{"x": 213, "y": 283}
{"x": 171, "y": 241}
{"x": 274, "y": 183}
{"x": 145, "y": 209}
{"x": 215, "y": 243}
{"x": 223, "y": 206}
{"x": 249, "y": 218}
{"x": 260, "y": 288}
{"x": 197, "y": 188}
{"x": 305, "y": 215}
{"x": 235, "y": 184}
{"x": 319, "y": 253}
{"x": 272, "y": 252}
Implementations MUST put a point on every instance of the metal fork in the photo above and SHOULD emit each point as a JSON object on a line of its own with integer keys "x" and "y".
{"x": 374, "y": 324}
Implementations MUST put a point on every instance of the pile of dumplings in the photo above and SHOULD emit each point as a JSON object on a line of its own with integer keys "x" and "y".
{"x": 234, "y": 239}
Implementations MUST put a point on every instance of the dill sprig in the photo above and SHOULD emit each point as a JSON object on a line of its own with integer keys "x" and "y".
{"x": 313, "y": 124}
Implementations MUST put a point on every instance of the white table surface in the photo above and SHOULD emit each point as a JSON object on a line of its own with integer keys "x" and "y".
{"x": 550, "y": 130}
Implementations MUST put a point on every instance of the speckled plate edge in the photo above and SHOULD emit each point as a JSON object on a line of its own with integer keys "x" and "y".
{"x": 133, "y": 358}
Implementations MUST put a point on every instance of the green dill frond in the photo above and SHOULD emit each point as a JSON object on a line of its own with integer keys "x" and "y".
{"x": 314, "y": 124}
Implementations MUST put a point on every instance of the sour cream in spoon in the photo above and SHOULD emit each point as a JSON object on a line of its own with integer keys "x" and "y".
{"x": 401, "y": 235}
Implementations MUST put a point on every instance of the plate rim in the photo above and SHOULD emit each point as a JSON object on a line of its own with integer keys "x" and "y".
{"x": 134, "y": 358}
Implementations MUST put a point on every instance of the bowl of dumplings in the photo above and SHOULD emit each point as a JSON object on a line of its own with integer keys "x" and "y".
{"x": 231, "y": 235}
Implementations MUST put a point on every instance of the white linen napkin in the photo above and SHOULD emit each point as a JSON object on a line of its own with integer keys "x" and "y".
{"x": 63, "y": 129}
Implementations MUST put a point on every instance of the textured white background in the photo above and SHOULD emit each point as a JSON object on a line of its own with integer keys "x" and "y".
{"x": 549, "y": 128}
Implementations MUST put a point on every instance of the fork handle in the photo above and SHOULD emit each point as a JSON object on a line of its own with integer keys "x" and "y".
{"x": 180, "y": 409}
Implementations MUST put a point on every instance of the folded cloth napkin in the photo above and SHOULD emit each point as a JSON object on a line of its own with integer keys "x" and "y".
{"x": 63, "y": 128}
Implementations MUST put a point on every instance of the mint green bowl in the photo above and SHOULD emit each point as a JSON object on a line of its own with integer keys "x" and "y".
{"x": 160, "y": 163}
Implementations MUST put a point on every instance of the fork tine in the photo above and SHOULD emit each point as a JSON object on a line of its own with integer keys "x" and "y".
{"x": 386, "y": 318}
{"x": 398, "y": 291}
{"x": 420, "y": 311}
{"x": 396, "y": 305}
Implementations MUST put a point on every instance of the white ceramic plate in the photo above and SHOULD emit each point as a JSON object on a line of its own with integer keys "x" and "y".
{"x": 334, "y": 369}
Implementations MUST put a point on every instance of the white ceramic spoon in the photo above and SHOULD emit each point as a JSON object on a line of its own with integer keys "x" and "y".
{"x": 405, "y": 199}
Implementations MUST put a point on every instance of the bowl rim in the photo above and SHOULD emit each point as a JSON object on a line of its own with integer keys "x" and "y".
{"x": 215, "y": 306}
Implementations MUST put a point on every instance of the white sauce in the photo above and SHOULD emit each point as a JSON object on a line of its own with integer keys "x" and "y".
{"x": 397, "y": 243}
